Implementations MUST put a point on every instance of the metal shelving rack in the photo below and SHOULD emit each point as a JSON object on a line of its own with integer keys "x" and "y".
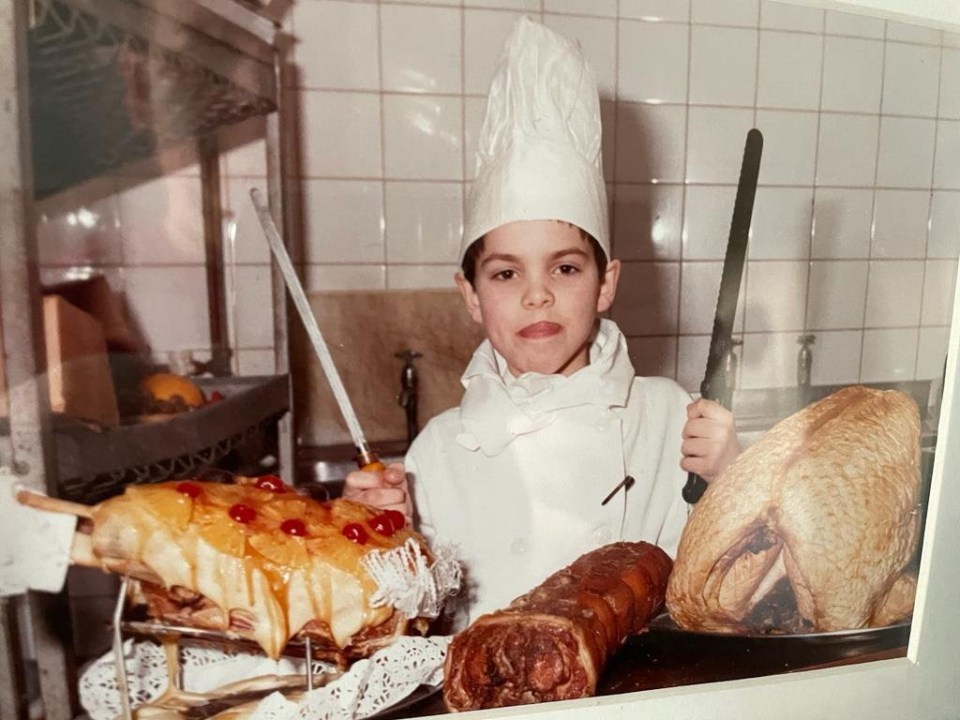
{"x": 89, "y": 87}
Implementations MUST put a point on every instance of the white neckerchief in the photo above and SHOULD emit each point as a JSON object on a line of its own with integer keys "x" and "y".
{"x": 498, "y": 407}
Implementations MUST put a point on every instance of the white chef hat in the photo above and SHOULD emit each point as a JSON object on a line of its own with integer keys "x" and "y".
{"x": 538, "y": 155}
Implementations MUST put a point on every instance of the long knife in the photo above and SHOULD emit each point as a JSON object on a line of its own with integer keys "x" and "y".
{"x": 366, "y": 458}
{"x": 714, "y": 385}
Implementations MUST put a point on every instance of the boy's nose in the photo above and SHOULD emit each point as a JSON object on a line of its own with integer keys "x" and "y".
{"x": 537, "y": 295}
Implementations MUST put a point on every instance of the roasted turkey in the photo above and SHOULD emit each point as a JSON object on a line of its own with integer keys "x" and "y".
{"x": 812, "y": 528}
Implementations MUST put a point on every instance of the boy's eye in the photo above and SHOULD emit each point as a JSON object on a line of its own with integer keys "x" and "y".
{"x": 506, "y": 274}
{"x": 568, "y": 269}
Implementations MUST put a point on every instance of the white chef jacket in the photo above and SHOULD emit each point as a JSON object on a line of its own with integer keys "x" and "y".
{"x": 516, "y": 475}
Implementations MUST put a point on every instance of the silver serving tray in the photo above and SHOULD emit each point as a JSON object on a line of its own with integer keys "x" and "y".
{"x": 664, "y": 623}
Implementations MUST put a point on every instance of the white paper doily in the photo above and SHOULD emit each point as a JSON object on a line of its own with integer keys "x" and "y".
{"x": 369, "y": 687}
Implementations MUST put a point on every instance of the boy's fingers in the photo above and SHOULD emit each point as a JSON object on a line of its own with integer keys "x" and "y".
{"x": 696, "y": 465}
{"x": 363, "y": 479}
{"x": 697, "y": 447}
{"x": 702, "y": 428}
{"x": 382, "y": 497}
{"x": 395, "y": 474}
{"x": 707, "y": 409}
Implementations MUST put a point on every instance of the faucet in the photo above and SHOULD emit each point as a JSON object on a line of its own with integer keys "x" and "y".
{"x": 409, "y": 384}
{"x": 730, "y": 364}
{"x": 805, "y": 360}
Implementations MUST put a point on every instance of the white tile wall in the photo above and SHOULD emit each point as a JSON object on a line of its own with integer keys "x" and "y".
{"x": 647, "y": 221}
{"x": 856, "y": 227}
{"x": 894, "y": 293}
{"x": 842, "y": 222}
{"x": 343, "y": 52}
{"x": 847, "y": 150}
{"x": 650, "y": 143}
{"x": 421, "y": 49}
{"x": 778, "y": 84}
{"x": 715, "y": 138}
{"x": 946, "y": 169}
{"x": 900, "y": 220}
{"x": 780, "y": 16}
{"x": 653, "y": 10}
{"x": 723, "y": 66}
{"x": 652, "y": 62}
{"x": 911, "y": 79}
{"x": 852, "y": 74}
{"x": 905, "y": 158}
{"x": 781, "y": 224}
{"x": 944, "y": 220}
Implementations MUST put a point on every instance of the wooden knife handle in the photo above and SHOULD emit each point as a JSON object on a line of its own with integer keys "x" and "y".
{"x": 369, "y": 460}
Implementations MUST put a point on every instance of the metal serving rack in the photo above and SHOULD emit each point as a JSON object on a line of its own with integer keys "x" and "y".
{"x": 316, "y": 672}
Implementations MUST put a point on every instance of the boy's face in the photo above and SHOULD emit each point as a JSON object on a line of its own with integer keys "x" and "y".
{"x": 537, "y": 294}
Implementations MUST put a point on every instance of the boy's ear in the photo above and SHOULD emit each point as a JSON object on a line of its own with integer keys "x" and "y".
{"x": 608, "y": 288}
{"x": 470, "y": 298}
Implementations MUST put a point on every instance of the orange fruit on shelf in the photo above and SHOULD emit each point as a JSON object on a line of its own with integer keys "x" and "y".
{"x": 167, "y": 386}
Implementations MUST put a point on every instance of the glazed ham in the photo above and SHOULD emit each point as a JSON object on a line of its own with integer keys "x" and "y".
{"x": 256, "y": 559}
{"x": 553, "y": 642}
{"x": 812, "y": 527}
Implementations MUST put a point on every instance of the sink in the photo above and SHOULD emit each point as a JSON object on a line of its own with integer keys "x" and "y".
{"x": 321, "y": 470}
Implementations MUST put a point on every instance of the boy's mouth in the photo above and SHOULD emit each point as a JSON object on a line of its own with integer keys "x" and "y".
{"x": 541, "y": 329}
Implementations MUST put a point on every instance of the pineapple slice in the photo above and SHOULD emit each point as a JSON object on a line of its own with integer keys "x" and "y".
{"x": 218, "y": 530}
{"x": 223, "y": 496}
{"x": 165, "y": 502}
{"x": 282, "y": 508}
{"x": 284, "y": 550}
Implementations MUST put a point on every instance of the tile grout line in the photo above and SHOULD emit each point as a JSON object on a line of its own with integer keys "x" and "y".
{"x": 383, "y": 150}
{"x": 747, "y": 260}
{"x": 683, "y": 194}
{"x": 816, "y": 167}
{"x": 873, "y": 209}
{"x": 933, "y": 173}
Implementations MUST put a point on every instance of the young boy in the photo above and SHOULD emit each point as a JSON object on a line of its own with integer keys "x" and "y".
{"x": 530, "y": 471}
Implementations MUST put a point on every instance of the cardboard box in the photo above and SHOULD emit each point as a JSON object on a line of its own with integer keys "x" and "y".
{"x": 95, "y": 297}
{"x": 79, "y": 372}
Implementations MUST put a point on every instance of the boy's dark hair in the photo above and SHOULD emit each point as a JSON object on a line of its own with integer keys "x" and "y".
{"x": 469, "y": 264}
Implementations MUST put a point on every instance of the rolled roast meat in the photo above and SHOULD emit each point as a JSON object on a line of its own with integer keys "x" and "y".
{"x": 552, "y": 643}
{"x": 812, "y": 527}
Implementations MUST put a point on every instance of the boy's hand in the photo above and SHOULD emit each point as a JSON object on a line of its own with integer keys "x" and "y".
{"x": 709, "y": 439}
{"x": 386, "y": 489}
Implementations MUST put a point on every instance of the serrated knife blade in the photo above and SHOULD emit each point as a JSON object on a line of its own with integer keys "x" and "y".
{"x": 714, "y": 385}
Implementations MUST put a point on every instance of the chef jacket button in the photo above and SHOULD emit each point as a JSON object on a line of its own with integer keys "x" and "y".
{"x": 602, "y": 535}
{"x": 518, "y": 546}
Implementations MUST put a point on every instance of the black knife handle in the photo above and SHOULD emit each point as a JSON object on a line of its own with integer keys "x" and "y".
{"x": 694, "y": 488}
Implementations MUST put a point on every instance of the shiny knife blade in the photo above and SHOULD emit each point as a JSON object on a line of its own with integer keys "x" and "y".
{"x": 366, "y": 458}
{"x": 714, "y": 385}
